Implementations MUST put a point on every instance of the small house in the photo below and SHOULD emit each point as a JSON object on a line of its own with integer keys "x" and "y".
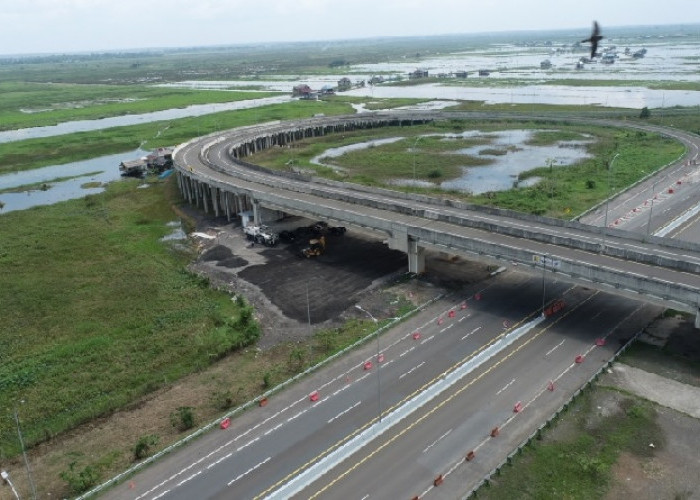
{"x": 301, "y": 90}
{"x": 344, "y": 84}
{"x": 419, "y": 73}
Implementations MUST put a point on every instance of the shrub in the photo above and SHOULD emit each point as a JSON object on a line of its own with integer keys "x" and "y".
{"x": 80, "y": 481}
{"x": 143, "y": 446}
{"x": 645, "y": 113}
{"x": 182, "y": 418}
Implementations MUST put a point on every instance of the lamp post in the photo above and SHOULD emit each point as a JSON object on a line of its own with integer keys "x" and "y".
{"x": 651, "y": 208}
{"x": 24, "y": 454}
{"x": 415, "y": 145}
{"x": 544, "y": 269}
{"x": 607, "y": 201}
{"x": 379, "y": 383}
{"x": 551, "y": 163}
{"x": 6, "y": 477}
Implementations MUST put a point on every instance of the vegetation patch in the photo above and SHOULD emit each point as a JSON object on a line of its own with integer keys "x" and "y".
{"x": 97, "y": 311}
{"x": 577, "y": 462}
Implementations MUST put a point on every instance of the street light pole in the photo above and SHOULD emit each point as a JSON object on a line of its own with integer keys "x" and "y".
{"x": 544, "y": 269}
{"x": 379, "y": 383}
{"x": 6, "y": 477}
{"x": 24, "y": 453}
{"x": 651, "y": 208}
{"x": 607, "y": 201}
{"x": 415, "y": 144}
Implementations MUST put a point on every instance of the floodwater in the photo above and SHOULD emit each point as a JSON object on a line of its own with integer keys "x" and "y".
{"x": 622, "y": 97}
{"x": 502, "y": 173}
{"x": 121, "y": 121}
{"x": 100, "y": 170}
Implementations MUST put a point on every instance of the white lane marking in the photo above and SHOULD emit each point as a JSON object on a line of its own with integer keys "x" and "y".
{"x": 159, "y": 496}
{"x": 427, "y": 339}
{"x": 249, "y": 471}
{"x": 554, "y": 348}
{"x": 406, "y": 352}
{"x": 447, "y": 327}
{"x": 474, "y": 330}
{"x": 464, "y": 317}
{"x": 297, "y": 415}
{"x": 269, "y": 431}
{"x": 411, "y": 370}
{"x": 339, "y": 390}
{"x": 189, "y": 478}
{"x": 219, "y": 460}
{"x": 248, "y": 443}
{"x": 436, "y": 441}
{"x": 505, "y": 387}
{"x": 343, "y": 412}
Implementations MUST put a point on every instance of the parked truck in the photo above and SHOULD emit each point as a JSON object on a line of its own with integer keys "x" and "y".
{"x": 262, "y": 235}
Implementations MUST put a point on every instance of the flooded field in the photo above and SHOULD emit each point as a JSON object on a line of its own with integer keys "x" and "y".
{"x": 86, "y": 177}
{"x": 508, "y": 152}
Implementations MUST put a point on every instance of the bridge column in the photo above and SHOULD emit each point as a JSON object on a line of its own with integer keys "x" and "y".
{"x": 256, "y": 212}
{"x": 416, "y": 257}
{"x": 697, "y": 317}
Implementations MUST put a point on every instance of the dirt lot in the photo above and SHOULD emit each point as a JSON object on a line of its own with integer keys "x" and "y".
{"x": 293, "y": 294}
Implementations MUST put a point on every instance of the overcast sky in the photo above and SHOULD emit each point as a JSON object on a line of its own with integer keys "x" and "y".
{"x": 39, "y": 26}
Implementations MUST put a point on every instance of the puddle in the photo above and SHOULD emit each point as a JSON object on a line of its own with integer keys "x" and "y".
{"x": 178, "y": 233}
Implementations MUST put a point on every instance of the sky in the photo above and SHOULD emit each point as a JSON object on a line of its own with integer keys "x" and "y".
{"x": 51, "y": 26}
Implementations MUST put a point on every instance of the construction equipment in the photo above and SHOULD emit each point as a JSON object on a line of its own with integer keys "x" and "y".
{"x": 315, "y": 248}
{"x": 261, "y": 235}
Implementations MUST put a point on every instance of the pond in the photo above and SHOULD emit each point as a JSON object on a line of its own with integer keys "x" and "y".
{"x": 94, "y": 172}
{"x": 503, "y": 171}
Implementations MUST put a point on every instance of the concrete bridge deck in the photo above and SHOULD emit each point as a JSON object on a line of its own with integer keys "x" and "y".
{"x": 213, "y": 175}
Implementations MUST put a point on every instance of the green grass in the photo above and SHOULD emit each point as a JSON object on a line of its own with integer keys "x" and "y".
{"x": 33, "y": 153}
{"x": 563, "y": 191}
{"x": 578, "y": 466}
{"x": 41, "y": 104}
{"x": 97, "y": 311}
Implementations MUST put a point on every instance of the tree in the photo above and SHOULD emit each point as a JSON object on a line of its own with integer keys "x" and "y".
{"x": 645, "y": 113}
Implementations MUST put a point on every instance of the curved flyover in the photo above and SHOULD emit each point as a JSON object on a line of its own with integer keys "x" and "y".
{"x": 212, "y": 174}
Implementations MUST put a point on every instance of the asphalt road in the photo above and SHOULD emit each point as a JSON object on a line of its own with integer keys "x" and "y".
{"x": 269, "y": 446}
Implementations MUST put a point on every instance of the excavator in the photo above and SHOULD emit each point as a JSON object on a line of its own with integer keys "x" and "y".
{"x": 315, "y": 248}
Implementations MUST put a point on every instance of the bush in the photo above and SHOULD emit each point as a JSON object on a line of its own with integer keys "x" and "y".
{"x": 80, "y": 481}
{"x": 645, "y": 113}
{"x": 143, "y": 446}
{"x": 267, "y": 380}
{"x": 182, "y": 418}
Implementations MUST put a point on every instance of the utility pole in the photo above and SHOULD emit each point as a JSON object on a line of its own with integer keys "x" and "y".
{"x": 24, "y": 453}
{"x": 379, "y": 384}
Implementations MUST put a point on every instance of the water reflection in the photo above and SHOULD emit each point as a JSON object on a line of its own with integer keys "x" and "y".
{"x": 509, "y": 153}
{"x": 96, "y": 171}
{"x": 121, "y": 121}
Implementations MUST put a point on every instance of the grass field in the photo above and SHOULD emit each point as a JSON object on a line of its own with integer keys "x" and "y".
{"x": 97, "y": 311}
{"x": 563, "y": 192}
{"x": 41, "y": 104}
{"x": 576, "y": 463}
{"x": 33, "y": 153}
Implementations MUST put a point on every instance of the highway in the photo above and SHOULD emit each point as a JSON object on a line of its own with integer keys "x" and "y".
{"x": 268, "y": 446}
{"x": 438, "y": 394}
{"x": 618, "y": 261}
